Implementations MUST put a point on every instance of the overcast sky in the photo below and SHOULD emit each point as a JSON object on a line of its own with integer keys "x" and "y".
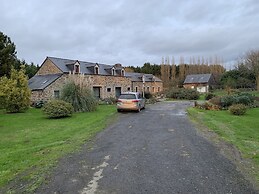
{"x": 130, "y": 32}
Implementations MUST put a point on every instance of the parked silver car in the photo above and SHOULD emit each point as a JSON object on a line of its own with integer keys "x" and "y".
{"x": 130, "y": 101}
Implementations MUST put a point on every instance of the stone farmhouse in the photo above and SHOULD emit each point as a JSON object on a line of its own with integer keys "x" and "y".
{"x": 199, "y": 82}
{"x": 106, "y": 81}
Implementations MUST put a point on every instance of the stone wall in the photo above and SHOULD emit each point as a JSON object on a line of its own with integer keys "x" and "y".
{"x": 152, "y": 87}
{"x": 48, "y": 68}
{"x": 89, "y": 81}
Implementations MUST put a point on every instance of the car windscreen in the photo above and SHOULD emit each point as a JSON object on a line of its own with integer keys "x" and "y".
{"x": 127, "y": 96}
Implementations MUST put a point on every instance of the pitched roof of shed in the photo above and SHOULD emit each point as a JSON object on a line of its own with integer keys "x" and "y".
{"x": 197, "y": 78}
{"x": 137, "y": 77}
{"x": 40, "y": 82}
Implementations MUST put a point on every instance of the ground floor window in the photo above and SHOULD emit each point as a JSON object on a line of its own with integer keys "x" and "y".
{"x": 158, "y": 89}
{"x": 56, "y": 94}
{"x": 128, "y": 89}
{"x": 147, "y": 88}
{"x": 153, "y": 89}
{"x": 109, "y": 89}
{"x": 136, "y": 89}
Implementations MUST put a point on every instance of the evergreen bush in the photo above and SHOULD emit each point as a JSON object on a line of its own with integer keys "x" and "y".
{"x": 14, "y": 92}
{"x": 57, "y": 109}
{"x": 182, "y": 94}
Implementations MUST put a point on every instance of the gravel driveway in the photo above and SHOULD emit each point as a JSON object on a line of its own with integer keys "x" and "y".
{"x": 154, "y": 151}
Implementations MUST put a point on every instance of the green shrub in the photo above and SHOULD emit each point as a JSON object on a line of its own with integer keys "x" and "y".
{"x": 182, "y": 93}
{"x": 237, "y": 109}
{"x": 14, "y": 92}
{"x": 58, "y": 109}
{"x": 209, "y": 96}
{"x": 81, "y": 98}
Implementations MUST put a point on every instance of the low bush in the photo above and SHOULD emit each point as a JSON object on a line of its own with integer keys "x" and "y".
{"x": 58, "y": 109}
{"x": 226, "y": 101}
{"x": 209, "y": 96}
{"x": 182, "y": 94}
{"x": 237, "y": 109}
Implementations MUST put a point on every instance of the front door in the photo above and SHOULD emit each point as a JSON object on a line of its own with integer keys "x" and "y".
{"x": 97, "y": 92}
{"x": 117, "y": 91}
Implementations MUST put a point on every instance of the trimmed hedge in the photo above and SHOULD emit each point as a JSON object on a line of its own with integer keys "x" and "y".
{"x": 182, "y": 94}
{"x": 58, "y": 109}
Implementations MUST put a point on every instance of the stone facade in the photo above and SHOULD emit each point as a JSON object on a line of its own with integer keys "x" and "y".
{"x": 48, "y": 68}
{"x": 103, "y": 85}
{"x": 152, "y": 87}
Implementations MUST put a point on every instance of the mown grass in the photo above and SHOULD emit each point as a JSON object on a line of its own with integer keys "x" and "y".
{"x": 241, "y": 131}
{"x": 31, "y": 144}
{"x": 225, "y": 92}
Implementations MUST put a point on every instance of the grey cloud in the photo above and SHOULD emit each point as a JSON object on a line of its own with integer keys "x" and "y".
{"x": 129, "y": 31}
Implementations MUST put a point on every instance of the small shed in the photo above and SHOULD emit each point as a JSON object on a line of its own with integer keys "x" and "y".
{"x": 200, "y": 82}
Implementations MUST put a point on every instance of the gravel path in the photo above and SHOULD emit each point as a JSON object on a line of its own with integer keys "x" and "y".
{"x": 154, "y": 151}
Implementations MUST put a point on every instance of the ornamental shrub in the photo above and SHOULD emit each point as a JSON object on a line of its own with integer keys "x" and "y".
{"x": 57, "y": 109}
{"x": 14, "y": 92}
{"x": 237, "y": 109}
{"x": 81, "y": 98}
{"x": 182, "y": 94}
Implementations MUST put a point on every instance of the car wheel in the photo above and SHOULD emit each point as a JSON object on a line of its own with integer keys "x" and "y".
{"x": 118, "y": 110}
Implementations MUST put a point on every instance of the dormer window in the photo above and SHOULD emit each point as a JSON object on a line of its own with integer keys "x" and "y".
{"x": 113, "y": 71}
{"x": 122, "y": 72}
{"x": 96, "y": 70}
{"x": 77, "y": 67}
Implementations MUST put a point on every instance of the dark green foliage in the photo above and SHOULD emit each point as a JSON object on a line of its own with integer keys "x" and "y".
{"x": 209, "y": 96}
{"x": 81, "y": 98}
{"x": 30, "y": 69}
{"x": 148, "y": 95}
{"x": 148, "y": 69}
{"x": 7, "y": 55}
{"x": 58, "y": 109}
{"x": 226, "y": 101}
{"x": 237, "y": 109}
{"x": 241, "y": 77}
{"x": 182, "y": 94}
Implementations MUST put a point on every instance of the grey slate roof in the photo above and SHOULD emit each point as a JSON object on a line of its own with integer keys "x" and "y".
{"x": 66, "y": 65}
{"x": 197, "y": 78}
{"x": 137, "y": 77}
{"x": 40, "y": 82}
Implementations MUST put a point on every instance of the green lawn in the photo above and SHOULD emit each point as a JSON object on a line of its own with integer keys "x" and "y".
{"x": 224, "y": 92}
{"x": 31, "y": 144}
{"x": 241, "y": 131}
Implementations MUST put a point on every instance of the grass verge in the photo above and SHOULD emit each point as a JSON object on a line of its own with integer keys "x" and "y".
{"x": 240, "y": 131}
{"x": 31, "y": 144}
